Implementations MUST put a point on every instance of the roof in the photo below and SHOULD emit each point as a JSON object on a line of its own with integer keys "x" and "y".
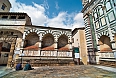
{"x": 63, "y": 49}
{"x": 31, "y": 48}
{"x": 13, "y": 13}
{"x": 76, "y": 30}
{"x": 48, "y": 27}
{"x": 81, "y": 28}
{"x": 48, "y": 48}
{"x": 106, "y": 50}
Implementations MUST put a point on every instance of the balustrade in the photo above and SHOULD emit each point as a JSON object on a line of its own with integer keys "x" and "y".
{"x": 47, "y": 53}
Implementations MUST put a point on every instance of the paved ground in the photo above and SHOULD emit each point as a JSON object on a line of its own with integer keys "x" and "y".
{"x": 81, "y": 71}
{"x": 4, "y": 70}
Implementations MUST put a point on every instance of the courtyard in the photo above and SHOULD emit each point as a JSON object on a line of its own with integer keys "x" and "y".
{"x": 78, "y": 71}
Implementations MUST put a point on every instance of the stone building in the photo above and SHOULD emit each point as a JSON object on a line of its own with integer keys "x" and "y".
{"x": 21, "y": 41}
{"x": 100, "y": 28}
{"x": 79, "y": 43}
{"x": 5, "y": 6}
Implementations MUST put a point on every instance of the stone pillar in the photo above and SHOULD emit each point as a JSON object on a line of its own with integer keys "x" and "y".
{"x": 70, "y": 43}
{"x": 70, "y": 46}
{"x": 40, "y": 43}
{"x": 10, "y": 58}
{"x": 56, "y": 45}
{"x": 23, "y": 39}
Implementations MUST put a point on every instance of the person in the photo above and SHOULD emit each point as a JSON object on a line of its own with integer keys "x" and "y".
{"x": 28, "y": 66}
{"x": 19, "y": 67}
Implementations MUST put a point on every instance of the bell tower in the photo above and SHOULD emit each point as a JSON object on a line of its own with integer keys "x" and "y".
{"x": 5, "y": 6}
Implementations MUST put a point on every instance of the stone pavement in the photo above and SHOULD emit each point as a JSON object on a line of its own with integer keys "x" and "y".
{"x": 78, "y": 71}
{"x": 107, "y": 68}
{"x": 4, "y": 70}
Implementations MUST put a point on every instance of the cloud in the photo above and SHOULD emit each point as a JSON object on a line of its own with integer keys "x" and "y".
{"x": 78, "y": 21}
{"x": 39, "y": 18}
{"x": 45, "y": 4}
{"x": 57, "y": 7}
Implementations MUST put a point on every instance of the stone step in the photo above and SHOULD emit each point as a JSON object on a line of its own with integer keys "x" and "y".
{"x": 47, "y": 62}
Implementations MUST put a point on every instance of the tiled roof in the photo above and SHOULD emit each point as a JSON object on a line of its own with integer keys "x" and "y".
{"x": 48, "y": 48}
{"x": 63, "y": 49}
{"x": 106, "y": 50}
{"x": 31, "y": 48}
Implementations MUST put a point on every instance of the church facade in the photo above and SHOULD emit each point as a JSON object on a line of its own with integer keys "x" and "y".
{"x": 100, "y": 28}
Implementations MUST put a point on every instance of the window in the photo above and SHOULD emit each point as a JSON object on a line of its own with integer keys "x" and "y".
{"x": 95, "y": 16}
{"x": 3, "y": 7}
{"x": 114, "y": 1}
{"x": 13, "y": 17}
{"x": 100, "y": 11}
{"x": 21, "y": 17}
{"x": 12, "y": 33}
{"x": 1, "y": 33}
{"x": 103, "y": 21}
{"x": 111, "y": 16}
{"x": 108, "y": 6}
{"x": 97, "y": 25}
{"x": 4, "y": 17}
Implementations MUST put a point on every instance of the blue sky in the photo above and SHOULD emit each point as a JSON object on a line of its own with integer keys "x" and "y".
{"x": 52, "y": 13}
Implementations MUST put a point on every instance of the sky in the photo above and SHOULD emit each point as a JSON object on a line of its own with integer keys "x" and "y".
{"x": 51, "y": 13}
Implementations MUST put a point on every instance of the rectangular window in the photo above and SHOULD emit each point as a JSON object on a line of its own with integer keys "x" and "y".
{"x": 13, "y": 17}
{"x": 95, "y": 16}
{"x": 100, "y": 11}
{"x": 103, "y": 21}
{"x": 97, "y": 25}
{"x": 108, "y": 6}
{"x": 4, "y": 17}
{"x": 111, "y": 16}
{"x": 21, "y": 17}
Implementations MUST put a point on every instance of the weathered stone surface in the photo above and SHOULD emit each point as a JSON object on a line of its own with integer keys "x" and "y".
{"x": 81, "y": 71}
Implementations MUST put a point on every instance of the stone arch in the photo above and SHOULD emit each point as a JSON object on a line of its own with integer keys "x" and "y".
{"x": 47, "y": 40}
{"x": 62, "y": 41}
{"x": 62, "y": 33}
{"x": 103, "y": 33}
{"x": 105, "y": 45}
{"x": 31, "y": 39}
{"x": 48, "y": 32}
{"x": 30, "y": 31}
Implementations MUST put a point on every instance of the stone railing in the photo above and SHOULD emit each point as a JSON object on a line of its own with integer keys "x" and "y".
{"x": 106, "y": 55}
{"x": 47, "y": 53}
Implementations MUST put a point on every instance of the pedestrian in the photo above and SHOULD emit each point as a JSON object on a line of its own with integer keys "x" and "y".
{"x": 28, "y": 66}
{"x": 19, "y": 67}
